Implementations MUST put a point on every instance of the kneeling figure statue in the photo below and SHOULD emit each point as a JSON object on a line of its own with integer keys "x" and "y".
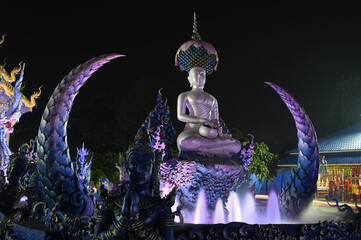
{"x": 136, "y": 210}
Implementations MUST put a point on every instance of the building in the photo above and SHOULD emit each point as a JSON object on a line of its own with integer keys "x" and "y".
{"x": 340, "y": 165}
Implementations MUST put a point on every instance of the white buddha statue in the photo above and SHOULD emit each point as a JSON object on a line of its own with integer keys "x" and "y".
{"x": 202, "y": 133}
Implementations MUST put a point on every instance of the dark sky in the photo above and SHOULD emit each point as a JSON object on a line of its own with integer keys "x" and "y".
{"x": 304, "y": 50}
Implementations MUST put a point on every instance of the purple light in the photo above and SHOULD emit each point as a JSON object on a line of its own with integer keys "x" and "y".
{"x": 219, "y": 216}
{"x": 201, "y": 213}
{"x": 234, "y": 208}
{"x": 249, "y": 209}
{"x": 165, "y": 190}
{"x": 273, "y": 211}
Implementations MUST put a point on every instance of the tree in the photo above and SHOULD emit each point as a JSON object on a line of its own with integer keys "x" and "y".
{"x": 345, "y": 108}
{"x": 103, "y": 165}
{"x": 264, "y": 163}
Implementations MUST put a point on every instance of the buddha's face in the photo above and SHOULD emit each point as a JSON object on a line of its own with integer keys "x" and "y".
{"x": 140, "y": 168}
{"x": 197, "y": 77}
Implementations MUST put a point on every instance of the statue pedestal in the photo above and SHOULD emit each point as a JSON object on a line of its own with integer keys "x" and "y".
{"x": 216, "y": 176}
{"x": 32, "y": 231}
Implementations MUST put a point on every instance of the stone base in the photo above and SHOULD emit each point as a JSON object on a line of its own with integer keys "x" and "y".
{"x": 235, "y": 230}
{"x": 193, "y": 155}
{"x": 217, "y": 176}
{"x": 24, "y": 230}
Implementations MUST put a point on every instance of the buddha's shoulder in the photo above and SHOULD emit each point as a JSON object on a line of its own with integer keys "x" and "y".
{"x": 184, "y": 94}
{"x": 195, "y": 93}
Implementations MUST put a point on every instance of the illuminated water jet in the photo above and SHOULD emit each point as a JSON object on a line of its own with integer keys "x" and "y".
{"x": 273, "y": 214}
{"x": 234, "y": 208}
{"x": 201, "y": 212}
{"x": 249, "y": 209}
{"x": 219, "y": 216}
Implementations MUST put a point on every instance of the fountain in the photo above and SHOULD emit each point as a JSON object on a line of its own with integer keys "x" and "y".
{"x": 273, "y": 214}
{"x": 219, "y": 216}
{"x": 249, "y": 209}
{"x": 233, "y": 206}
{"x": 201, "y": 211}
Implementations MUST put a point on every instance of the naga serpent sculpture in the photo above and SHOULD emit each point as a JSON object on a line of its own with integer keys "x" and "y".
{"x": 299, "y": 190}
{"x": 13, "y": 104}
{"x": 58, "y": 181}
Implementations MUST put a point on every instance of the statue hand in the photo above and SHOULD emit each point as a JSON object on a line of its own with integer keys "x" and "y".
{"x": 117, "y": 166}
{"x": 224, "y": 135}
{"x": 134, "y": 207}
{"x": 215, "y": 124}
{"x": 125, "y": 207}
{"x": 212, "y": 123}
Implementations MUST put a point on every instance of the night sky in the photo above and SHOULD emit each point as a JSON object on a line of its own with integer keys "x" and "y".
{"x": 304, "y": 50}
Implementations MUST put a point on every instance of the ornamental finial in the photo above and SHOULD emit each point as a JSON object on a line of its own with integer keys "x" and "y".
{"x": 2, "y": 39}
{"x": 195, "y": 35}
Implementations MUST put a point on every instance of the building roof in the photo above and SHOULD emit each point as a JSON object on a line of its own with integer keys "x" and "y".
{"x": 353, "y": 157}
{"x": 343, "y": 140}
{"x": 342, "y": 147}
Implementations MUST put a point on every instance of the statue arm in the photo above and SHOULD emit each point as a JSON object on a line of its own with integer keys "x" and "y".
{"x": 163, "y": 229}
{"x": 215, "y": 120}
{"x": 167, "y": 224}
{"x": 181, "y": 111}
{"x": 214, "y": 113}
{"x": 118, "y": 229}
{"x": 107, "y": 224}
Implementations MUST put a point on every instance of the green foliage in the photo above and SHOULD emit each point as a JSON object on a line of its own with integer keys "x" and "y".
{"x": 345, "y": 108}
{"x": 264, "y": 163}
{"x": 103, "y": 165}
{"x": 96, "y": 175}
{"x": 175, "y": 152}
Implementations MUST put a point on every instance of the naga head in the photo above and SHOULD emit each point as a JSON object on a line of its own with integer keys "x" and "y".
{"x": 26, "y": 151}
{"x": 10, "y": 116}
{"x": 16, "y": 104}
{"x": 12, "y": 102}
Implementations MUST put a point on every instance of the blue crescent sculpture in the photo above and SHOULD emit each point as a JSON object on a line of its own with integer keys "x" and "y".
{"x": 58, "y": 182}
{"x": 299, "y": 190}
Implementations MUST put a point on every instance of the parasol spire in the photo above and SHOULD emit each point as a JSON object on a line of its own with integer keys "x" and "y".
{"x": 195, "y": 35}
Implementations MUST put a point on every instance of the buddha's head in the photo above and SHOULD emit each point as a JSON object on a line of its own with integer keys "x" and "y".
{"x": 197, "y": 77}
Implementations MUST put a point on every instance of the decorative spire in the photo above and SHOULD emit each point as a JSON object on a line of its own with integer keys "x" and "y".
{"x": 141, "y": 142}
{"x": 195, "y": 35}
{"x": 2, "y": 39}
{"x": 196, "y": 53}
{"x": 16, "y": 102}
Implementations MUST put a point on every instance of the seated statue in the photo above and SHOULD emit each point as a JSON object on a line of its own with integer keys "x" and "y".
{"x": 203, "y": 133}
{"x": 136, "y": 210}
{"x": 12, "y": 192}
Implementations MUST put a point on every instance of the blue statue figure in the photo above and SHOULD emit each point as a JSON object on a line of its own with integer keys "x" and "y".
{"x": 137, "y": 211}
{"x": 18, "y": 167}
{"x": 83, "y": 166}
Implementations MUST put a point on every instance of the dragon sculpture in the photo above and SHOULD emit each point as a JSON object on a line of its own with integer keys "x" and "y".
{"x": 83, "y": 166}
{"x": 299, "y": 190}
{"x": 13, "y": 104}
{"x": 59, "y": 184}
